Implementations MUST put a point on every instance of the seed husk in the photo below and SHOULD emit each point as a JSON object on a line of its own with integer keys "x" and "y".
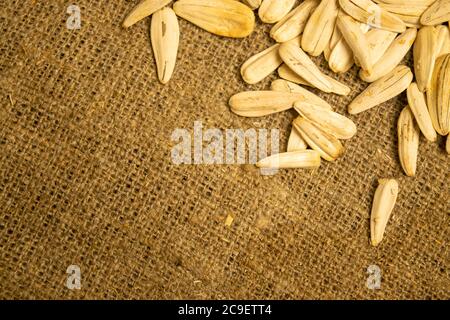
{"x": 409, "y": 14}
{"x": 331, "y": 122}
{"x": 338, "y": 87}
{"x": 228, "y": 18}
{"x": 307, "y": 159}
{"x": 286, "y": 73}
{"x": 425, "y": 52}
{"x": 379, "y": 41}
{"x": 309, "y": 97}
{"x": 408, "y": 141}
{"x": 382, "y": 90}
{"x": 370, "y": 13}
{"x": 293, "y": 24}
{"x": 383, "y": 204}
{"x": 409, "y": 21}
{"x": 262, "y": 103}
{"x": 392, "y": 57}
{"x": 426, "y": 3}
{"x": 335, "y": 38}
{"x": 437, "y": 13}
{"x": 296, "y": 142}
{"x": 405, "y": 9}
{"x": 341, "y": 58}
{"x": 165, "y": 35}
{"x": 329, "y": 147}
{"x": 418, "y": 105}
{"x": 261, "y": 65}
{"x": 144, "y": 9}
{"x": 356, "y": 40}
{"x": 254, "y": 4}
{"x": 438, "y": 96}
{"x": 272, "y": 11}
{"x": 299, "y": 62}
{"x": 443, "y": 40}
{"x": 320, "y": 27}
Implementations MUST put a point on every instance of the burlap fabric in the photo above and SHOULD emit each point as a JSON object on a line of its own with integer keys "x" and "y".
{"x": 86, "y": 176}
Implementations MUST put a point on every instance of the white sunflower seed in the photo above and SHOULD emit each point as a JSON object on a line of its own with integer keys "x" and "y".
{"x": 331, "y": 122}
{"x": 165, "y": 34}
{"x": 418, "y": 105}
{"x": 370, "y": 13}
{"x": 392, "y": 57}
{"x": 307, "y": 159}
{"x": 261, "y": 65}
{"x": 408, "y": 141}
{"x": 144, "y": 9}
{"x": 383, "y": 204}
{"x": 272, "y": 11}
{"x": 228, "y": 18}
{"x": 293, "y": 24}
{"x": 384, "y": 89}
{"x": 320, "y": 27}
{"x": 329, "y": 147}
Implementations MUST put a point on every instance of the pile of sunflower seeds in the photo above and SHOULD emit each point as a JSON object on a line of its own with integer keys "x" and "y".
{"x": 374, "y": 35}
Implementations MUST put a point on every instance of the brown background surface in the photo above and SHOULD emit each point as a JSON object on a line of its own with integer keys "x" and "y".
{"x": 86, "y": 176}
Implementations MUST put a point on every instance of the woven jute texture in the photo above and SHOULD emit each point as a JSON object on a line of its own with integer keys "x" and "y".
{"x": 87, "y": 179}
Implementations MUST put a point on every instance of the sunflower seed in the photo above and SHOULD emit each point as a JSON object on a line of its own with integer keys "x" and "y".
{"x": 406, "y": 2}
{"x": 293, "y": 24}
{"x": 443, "y": 40}
{"x": 408, "y": 141}
{"x": 308, "y": 159}
{"x": 409, "y": 14}
{"x": 379, "y": 41}
{"x": 299, "y": 62}
{"x": 405, "y": 9}
{"x": 370, "y": 13}
{"x": 320, "y": 27}
{"x": 144, "y": 9}
{"x": 262, "y": 103}
{"x": 272, "y": 11}
{"x": 392, "y": 57}
{"x": 261, "y": 65}
{"x": 335, "y": 39}
{"x": 437, "y": 13}
{"x": 417, "y": 103}
{"x": 165, "y": 34}
{"x": 425, "y": 51}
{"x": 341, "y": 58}
{"x": 338, "y": 87}
{"x": 327, "y": 145}
{"x": 382, "y": 90}
{"x": 228, "y": 18}
{"x": 356, "y": 40}
{"x": 307, "y": 96}
{"x": 331, "y": 122}
{"x": 438, "y": 96}
{"x": 296, "y": 142}
{"x": 287, "y": 74}
{"x": 383, "y": 204}
{"x": 254, "y": 4}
